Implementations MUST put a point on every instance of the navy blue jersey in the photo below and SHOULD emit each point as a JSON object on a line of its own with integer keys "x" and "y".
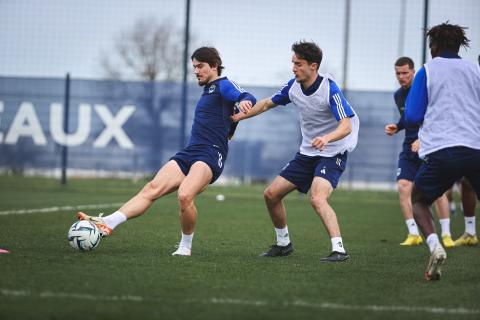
{"x": 211, "y": 123}
{"x": 411, "y": 132}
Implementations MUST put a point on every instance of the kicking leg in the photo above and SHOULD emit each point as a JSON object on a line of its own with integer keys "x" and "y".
{"x": 166, "y": 180}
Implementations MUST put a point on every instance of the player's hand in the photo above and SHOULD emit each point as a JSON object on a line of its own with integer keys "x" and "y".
{"x": 415, "y": 146}
{"x": 391, "y": 129}
{"x": 245, "y": 106}
{"x": 237, "y": 117}
{"x": 320, "y": 143}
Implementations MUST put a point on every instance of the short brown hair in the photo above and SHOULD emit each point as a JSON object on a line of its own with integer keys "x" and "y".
{"x": 403, "y": 61}
{"x": 309, "y": 51}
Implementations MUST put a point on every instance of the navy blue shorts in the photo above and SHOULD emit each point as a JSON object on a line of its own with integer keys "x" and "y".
{"x": 442, "y": 168}
{"x": 212, "y": 156}
{"x": 302, "y": 169}
{"x": 408, "y": 165}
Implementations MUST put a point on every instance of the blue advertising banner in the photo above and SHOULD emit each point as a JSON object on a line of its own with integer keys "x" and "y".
{"x": 119, "y": 126}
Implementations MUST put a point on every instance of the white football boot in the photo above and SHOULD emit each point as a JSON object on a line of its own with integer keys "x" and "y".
{"x": 182, "y": 251}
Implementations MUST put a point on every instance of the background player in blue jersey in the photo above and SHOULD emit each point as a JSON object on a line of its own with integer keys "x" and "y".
{"x": 409, "y": 162}
{"x": 201, "y": 162}
{"x": 445, "y": 100}
{"x": 329, "y": 128}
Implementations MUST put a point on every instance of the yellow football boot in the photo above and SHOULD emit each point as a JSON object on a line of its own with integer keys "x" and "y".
{"x": 466, "y": 240}
{"x": 412, "y": 240}
{"x": 448, "y": 241}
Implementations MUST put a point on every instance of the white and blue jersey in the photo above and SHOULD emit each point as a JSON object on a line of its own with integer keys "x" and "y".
{"x": 211, "y": 123}
{"x": 445, "y": 100}
{"x": 321, "y": 107}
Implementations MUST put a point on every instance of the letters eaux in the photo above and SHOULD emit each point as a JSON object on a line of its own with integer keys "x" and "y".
{"x": 26, "y": 124}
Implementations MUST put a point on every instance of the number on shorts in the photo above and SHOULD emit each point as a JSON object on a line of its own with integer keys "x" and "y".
{"x": 220, "y": 164}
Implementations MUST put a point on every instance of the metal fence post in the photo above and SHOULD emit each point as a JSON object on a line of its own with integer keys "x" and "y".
{"x": 183, "y": 117}
{"x": 66, "y": 110}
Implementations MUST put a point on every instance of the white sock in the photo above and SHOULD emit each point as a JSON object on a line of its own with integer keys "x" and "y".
{"x": 412, "y": 227}
{"x": 470, "y": 225}
{"x": 337, "y": 244}
{"x": 445, "y": 224}
{"x": 186, "y": 241}
{"x": 113, "y": 220}
{"x": 432, "y": 241}
{"x": 283, "y": 238}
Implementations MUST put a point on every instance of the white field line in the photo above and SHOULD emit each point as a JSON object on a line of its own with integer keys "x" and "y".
{"x": 228, "y": 301}
{"x": 63, "y": 208}
{"x": 207, "y": 194}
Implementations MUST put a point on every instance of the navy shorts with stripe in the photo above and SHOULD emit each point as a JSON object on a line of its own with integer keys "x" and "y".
{"x": 211, "y": 155}
{"x": 408, "y": 165}
{"x": 442, "y": 168}
{"x": 302, "y": 169}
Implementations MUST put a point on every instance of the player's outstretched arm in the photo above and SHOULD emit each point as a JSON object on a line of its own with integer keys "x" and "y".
{"x": 341, "y": 131}
{"x": 261, "y": 106}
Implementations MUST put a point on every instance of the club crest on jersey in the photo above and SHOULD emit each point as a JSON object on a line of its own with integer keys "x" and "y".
{"x": 211, "y": 88}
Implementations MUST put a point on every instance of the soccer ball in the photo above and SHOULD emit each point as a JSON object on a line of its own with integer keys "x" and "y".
{"x": 84, "y": 235}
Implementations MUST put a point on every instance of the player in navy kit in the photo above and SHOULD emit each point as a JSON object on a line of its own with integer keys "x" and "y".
{"x": 192, "y": 169}
{"x": 329, "y": 128}
{"x": 409, "y": 162}
{"x": 445, "y": 100}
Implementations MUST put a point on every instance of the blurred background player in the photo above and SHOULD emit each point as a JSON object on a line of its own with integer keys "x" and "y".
{"x": 191, "y": 170}
{"x": 329, "y": 129}
{"x": 448, "y": 109}
{"x": 469, "y": 201}
{"x": 409, "y": 162}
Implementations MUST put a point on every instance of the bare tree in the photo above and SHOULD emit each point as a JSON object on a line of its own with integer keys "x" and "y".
{"x": 150, "y": 50}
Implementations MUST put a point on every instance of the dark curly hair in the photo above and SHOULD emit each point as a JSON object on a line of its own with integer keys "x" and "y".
{"x": 447, "y": 37}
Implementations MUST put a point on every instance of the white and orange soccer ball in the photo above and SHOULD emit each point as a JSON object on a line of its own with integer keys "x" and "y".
{"x": 84, "y": 235}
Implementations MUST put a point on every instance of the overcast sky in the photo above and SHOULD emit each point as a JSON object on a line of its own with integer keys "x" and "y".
{"x": 48, "y": 38}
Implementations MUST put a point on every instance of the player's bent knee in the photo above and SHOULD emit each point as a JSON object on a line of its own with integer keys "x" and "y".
{"x": 151, "y": 190}
{"x": 185, "y": 198}
{"x": 419, "y": 197}
{"x": 404, "y": 186}
{"x": 270, "y": 196}
{"x": 318, "y": 202}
